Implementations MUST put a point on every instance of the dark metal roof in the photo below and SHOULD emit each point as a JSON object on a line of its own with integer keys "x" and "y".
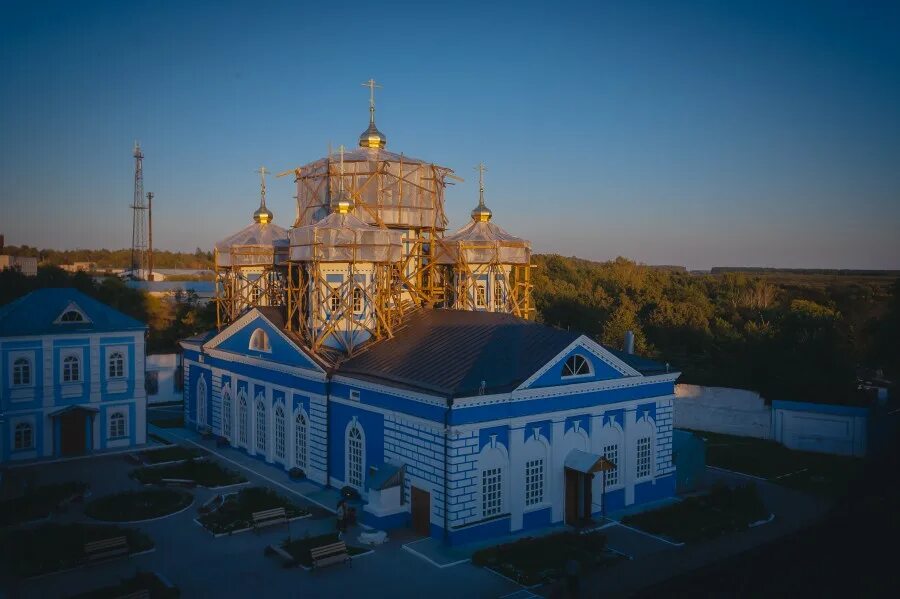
{"x": 450, "y": 352}
{"x": 645, "y": 366}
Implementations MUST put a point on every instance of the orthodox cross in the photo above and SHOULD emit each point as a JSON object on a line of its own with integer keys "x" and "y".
{"x": 262, "y": 183}
{"x": 371, "y": 85}
{"x": 481, "y": 168}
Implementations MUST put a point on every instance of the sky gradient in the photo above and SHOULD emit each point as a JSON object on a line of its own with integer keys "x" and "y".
{"x": 693, "y": 133}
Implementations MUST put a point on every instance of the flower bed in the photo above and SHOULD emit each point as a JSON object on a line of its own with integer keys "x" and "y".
{"x": 137, "y": 505}
{"x": 204, "y": 472}
{"x": 39, "y": 503}
{"x": 236, "y": 511}
{"x": 170, "y": 454}
{"x": 51, "y": 547}
{"x": 299, "y": 548}
{"x": 721, "y": 511}
{"x": 534, "y": 560}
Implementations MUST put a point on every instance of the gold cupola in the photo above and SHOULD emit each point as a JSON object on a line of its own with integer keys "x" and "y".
{"x": 481, "y": 213}
{"x": 372, "y": 137}
{"x": 262, "y": 215}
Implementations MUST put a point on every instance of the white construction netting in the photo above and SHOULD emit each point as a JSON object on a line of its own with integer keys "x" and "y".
{"x": 483, "y": 243}
{"x": 257, "y": 244}
{"x": 345, "y": 238}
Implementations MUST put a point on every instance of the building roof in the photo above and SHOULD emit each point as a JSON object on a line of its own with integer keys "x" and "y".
{"x": 645, "y": 366}
{"x": 38, "y": 312}
{"x": 450, "y": 352}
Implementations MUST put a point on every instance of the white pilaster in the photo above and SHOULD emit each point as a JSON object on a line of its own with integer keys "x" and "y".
{"x": 558, "y": 483}
{"x": 630, "y": 448}
{"x": 516, "y": 477}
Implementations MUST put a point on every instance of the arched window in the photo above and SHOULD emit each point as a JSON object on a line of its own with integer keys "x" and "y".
{"x": 644, "y": 434}
{"x": 576, "y": 365}
{"x": 335, "y": 300}
{"x": 279, "y": 433}
{"x": 201, "y": 401}
{"x": 536, "y": 470}
{"x": 116, "y": 365}
{"x": 357, "y": 300}
{"x": 24, "y": 436}
{"x": 72, "y": 316}
{"x": 611, "y": 446}
{"x": 226, "y": 414}
{"x": 300, "y": 436}
{"x": 492, "y": 478}
{"x": 243, "y": 421}
{"x": 355, "y": 455}
{"x": 117, "y": 426}
{"x": 71, "y": 369}
{"x": 480, "y": 295}
{"x": 498, "y": 296}
{"x": 259, "y": 341}
{"x": 260, "y": 426}
{"x": 22, "y": 371}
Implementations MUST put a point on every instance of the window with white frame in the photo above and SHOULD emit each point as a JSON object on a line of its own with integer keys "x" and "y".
{"x": 71, "y": 316}
{"x": 24, "y": 436}
{"x": 243, "y": 421}
{"x": 534, "y": 482}
{"x": 300, "y": 435}
{"x": 611, "y": 453}
{"x": 260, "y": 427}
{"x": 71, "y": 369}
{"x": 116, "y": 366}
{"x": 226, "y": 414}
{"x": 259, "y": 341}
{"x": 21, "y": 372}
{"x": 576, "y": 365}
{"x": 480, "y": 295}
{"x": 355, "y": 457}
{"x": 491, "y": 491}
{"x": 279, "y": 433}
{"x": 357, "y": 300}
{"x": 256, "y": 291}
{"x": 335, "y": 300}
{"x": 117, "y": 425}
{"x": 643, "y": 457}
{"x": 498, "y": 295}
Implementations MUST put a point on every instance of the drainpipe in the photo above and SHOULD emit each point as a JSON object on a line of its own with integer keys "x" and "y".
{"x": 446, "y": 476}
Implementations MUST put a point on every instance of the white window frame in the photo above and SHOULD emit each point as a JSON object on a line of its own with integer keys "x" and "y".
{"x": 574, "y": 367}
{"x": 334, "y": 300}
{"x": 493, "y": 476}
{"x": 259, "y": 341}
{"x": 534, "y": 482}
{"x": 357, "y": 299}
{"x": 17, "y": 369}
{"x": 499, "y": 304}
{"x": 243, "y": 420}
{"x": 280, "y": 434}
{"x": 260, "y": 414}
{"x": 480, "y": 294}
{"x": 354, "y": 473}
{"x": 612, "y": 478}
{"x": 227, "y": 416}
{"x": 26, "y": 425}
{"x": 72, "y": 308}
{"x": 643, "y": 457}
{"x": 301, "y": 441}
{"x": 112, "y": 433}
{"x": 123, "y": 367}
{"x": 63, "y": 357}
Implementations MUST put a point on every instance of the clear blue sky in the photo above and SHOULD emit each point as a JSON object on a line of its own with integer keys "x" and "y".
{"x": 695, "y": 133}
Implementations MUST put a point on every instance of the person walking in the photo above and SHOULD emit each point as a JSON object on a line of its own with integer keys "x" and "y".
{"x": 341, "y": 514}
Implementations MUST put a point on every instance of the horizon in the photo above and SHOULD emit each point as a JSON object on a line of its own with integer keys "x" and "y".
{"x": 754, "y": 134}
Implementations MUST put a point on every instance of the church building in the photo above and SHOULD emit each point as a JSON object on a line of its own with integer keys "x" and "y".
{"x": 372, "y": 351}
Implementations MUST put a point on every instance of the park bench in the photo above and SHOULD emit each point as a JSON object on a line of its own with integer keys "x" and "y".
{"x": 179, "y": 482}
{"x": 263, "y": 518}
{"x": 326, "y": 555}
{"x": 97, "y": 550}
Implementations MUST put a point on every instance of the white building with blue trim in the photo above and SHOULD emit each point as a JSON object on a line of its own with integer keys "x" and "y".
{"x": 71, "y": 377}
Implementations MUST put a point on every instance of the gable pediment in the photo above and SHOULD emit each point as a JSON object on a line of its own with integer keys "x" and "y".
{"x": 583, "y": 361}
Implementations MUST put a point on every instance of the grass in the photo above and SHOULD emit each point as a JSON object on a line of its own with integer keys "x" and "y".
{"x": 137, "y": 505}
{"x": 299, "y": 548}
{"x": 204, "y": 472}
{"x": 534, "y": 560}
{"x": 818, "y": 473}
{"x": 721, "y": 511}
{"x": 236, "y": 512}
{"x": 139, "y": 582}
{"x": 170, "y": 454}
{"x": 38, "y": 503}
{"x": 51, "y": 547}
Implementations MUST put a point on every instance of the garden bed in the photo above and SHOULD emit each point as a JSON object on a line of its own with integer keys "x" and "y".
{"x": 204, "y": 472}
{"x": 236, "y": 511}
{"x": 721, "y": 511}
{"x": 151, "y": 582}
{"x": 132, "y": 506}
{"x": 174, "y": 453}
{"x": 39, "y": 502}
{"x": 299, "y": 549}
{"x": 536, "y": 560}
{"x": 52, "y": 547}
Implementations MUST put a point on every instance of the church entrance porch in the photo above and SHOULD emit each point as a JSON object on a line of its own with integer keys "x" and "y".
{"x": 580, "y": 468}
{"x": 73, "y": 426}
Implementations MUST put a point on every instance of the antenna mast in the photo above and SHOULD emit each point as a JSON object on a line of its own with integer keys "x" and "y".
{"x": 138, "y": 240}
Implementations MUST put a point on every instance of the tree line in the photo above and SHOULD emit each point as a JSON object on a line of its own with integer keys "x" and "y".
{"x": 114, "y": 258}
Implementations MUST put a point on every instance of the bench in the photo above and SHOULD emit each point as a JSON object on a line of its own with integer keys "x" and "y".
{"x": 275, "y": 515}
{"x": 97, "y": 550}
{"x": 178, "y": 482}
{"x": 326, "y": 555}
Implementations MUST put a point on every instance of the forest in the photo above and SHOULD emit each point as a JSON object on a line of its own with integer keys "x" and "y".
{"x": 113, "y": 258}
{"x": 787, "y": 335}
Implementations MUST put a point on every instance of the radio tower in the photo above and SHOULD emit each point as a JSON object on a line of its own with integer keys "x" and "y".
{"x": 138, "y": 238}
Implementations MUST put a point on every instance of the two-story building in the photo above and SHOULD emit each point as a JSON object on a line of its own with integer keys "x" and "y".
{"x": 71, "y": 377}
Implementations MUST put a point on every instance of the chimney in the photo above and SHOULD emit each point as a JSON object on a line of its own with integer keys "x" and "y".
{"x": 629, "y": 342}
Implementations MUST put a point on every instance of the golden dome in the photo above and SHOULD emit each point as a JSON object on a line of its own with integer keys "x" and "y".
{"x": 481, "y": 213}
{"x": 263, "y": 215}
{"x": 372, "y": 137}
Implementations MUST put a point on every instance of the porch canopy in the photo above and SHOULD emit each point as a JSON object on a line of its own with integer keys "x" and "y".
{"x": 587, "y": 463}
{"x": 74, "y": 408}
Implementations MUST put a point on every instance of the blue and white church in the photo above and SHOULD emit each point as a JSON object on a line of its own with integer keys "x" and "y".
{"x": 71, "y": 377}
{"x": 405, "y": 364}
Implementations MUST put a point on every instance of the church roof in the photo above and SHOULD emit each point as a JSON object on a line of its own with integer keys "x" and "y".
{"x": 39, "y": 312}
{"x": 449, "y": 353}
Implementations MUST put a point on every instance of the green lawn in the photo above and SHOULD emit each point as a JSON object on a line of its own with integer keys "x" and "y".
{"x": 139, "y": 582}
{"x": 541, "y": 559}
{"x": 721, "y": 511}
{"x": 51, "y": 547}
{"x": 38, "y": 503}
{"x": 137, "y": 505}
{"x": 818, "y": 473}
{"x": 237, "y": 511}
{"x": 204, "y": 472}
{"x": 299, "y": 548}
{"x": 170, "y": 454}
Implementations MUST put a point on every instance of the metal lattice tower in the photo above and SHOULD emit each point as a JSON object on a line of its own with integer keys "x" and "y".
{"x": 139, "y": 255}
